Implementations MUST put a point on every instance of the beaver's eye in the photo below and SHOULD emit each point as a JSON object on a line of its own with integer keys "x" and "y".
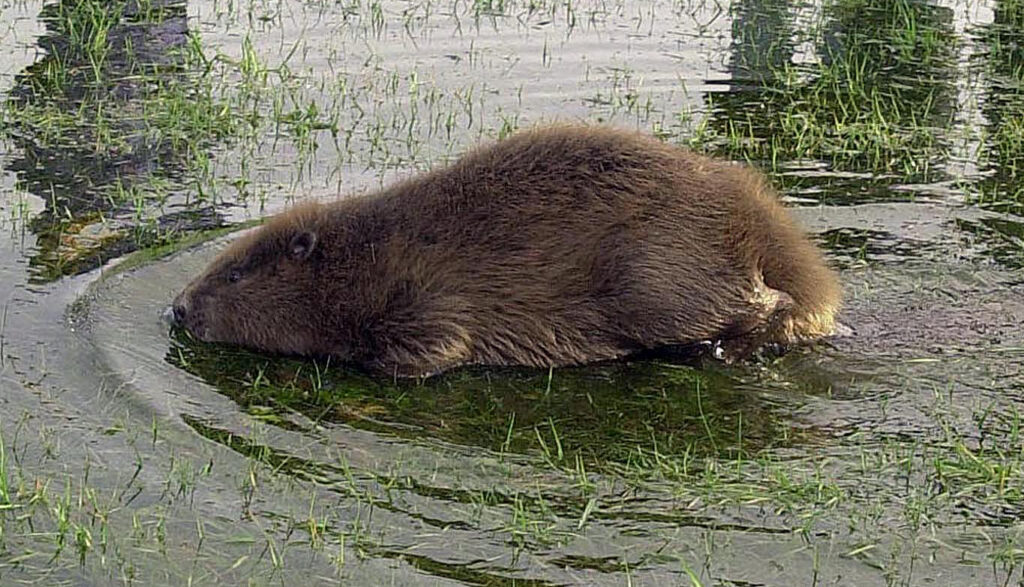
{"x": 234, "y": 276}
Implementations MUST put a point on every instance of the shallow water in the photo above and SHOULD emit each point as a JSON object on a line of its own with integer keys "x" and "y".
{"x": 132, "y": 454}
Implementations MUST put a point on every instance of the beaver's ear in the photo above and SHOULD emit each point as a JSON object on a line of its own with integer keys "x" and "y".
{"x": 302, "y": 245}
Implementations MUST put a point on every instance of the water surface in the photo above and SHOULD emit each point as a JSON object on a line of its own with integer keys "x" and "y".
{"x": 890, "y": 457}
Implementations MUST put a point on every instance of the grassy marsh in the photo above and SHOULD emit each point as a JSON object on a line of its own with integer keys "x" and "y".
{"x": 128, "y": 457}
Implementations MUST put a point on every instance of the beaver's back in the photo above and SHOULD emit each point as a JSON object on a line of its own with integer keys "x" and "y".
{"x": 552, "y": 193}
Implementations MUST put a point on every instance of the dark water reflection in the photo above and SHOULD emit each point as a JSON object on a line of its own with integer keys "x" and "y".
{"x": 602, "y": 413}
{"x": 1003, "y": 109}
{"x": 89, "y": 122}
{"x": 872, "y": 90}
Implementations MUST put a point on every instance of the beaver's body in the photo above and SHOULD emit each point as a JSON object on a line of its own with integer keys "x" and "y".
{"x": 556, "y": 246}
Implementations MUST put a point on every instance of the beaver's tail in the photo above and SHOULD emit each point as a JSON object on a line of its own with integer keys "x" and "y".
{"x": 788, "y": 260}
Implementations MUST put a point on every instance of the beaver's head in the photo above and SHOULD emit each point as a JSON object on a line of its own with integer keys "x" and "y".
{"x": 262, "y": 291}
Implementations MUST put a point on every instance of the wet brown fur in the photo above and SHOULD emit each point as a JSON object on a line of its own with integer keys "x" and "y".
{"x": 559, "y": 245}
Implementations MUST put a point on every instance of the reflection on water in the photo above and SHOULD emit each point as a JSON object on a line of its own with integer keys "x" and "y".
{"x": 1002, "y": 105}
{"x": 603, "y": 413}
{"x": 92, "y": 121}
{"x": 763, "y": 42}
{"x": 873, "y": 91}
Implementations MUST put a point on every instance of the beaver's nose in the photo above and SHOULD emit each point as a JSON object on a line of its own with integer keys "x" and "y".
{"x": 175, "y": 314}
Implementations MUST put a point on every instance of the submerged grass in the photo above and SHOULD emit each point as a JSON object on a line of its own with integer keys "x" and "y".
{"x": 584, "y": 411}
{"x": 71, "y": 529}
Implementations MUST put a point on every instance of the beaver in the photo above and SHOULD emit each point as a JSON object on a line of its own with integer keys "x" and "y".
{"x": 555, "y": 246}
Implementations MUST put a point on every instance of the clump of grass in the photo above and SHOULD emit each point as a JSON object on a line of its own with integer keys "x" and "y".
{"x": 108, "y": 123}
{"x": 1002, "y": 153}
{"x": 1007, "y": 146}
{"x": 1004, "y": 104}
{"x": 877, "y": 101}
{"x": 97, "y": 82}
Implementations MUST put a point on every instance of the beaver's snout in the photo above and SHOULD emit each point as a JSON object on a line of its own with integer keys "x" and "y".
{"x": 175, "y": 313}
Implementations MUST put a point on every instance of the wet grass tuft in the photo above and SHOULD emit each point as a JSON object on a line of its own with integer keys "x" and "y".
{"x": 849, "y": 108}
{"x": 110, "y": 125}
